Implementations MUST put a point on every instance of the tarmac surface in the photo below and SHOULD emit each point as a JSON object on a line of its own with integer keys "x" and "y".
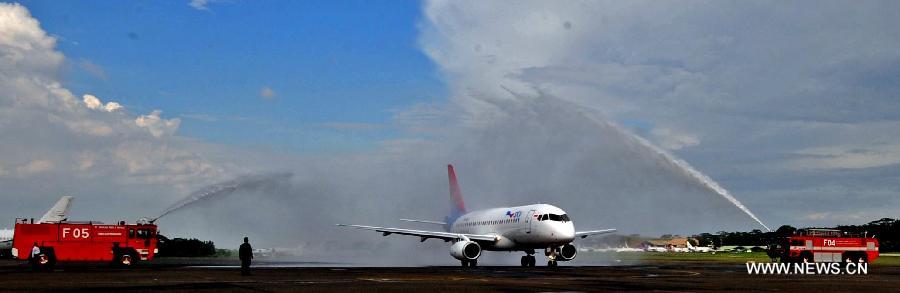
{"x": 681, "y": 276}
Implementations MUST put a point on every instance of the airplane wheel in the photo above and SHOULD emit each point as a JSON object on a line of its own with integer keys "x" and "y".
{"x": 473, "y": 263}
{"x": 525, "y": 261}
{"x": 464, "y": 263}
{"x": 531, "y": 261}
{"x": 552, "y": 263}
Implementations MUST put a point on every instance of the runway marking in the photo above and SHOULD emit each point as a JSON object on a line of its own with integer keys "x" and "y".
{"x": 398, "y": 280}
{"x": 686, "y": 274}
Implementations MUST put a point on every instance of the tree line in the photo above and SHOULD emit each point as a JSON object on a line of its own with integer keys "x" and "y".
{"x": 181, "y": 247}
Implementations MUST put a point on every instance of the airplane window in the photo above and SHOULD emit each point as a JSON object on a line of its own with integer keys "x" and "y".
{"x": 544, "y": 217}
{"x": 559, "y": 218}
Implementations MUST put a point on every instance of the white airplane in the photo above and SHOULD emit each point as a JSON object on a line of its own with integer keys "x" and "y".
{"x": 520, "y": 228}
{"x": 698, "y": 248}
{"x": 656, "y": 249}
{"x": 6, "y": 236}
{"x": 57, "y": 213}
{"x": 628, "y": 249}
{"x": 680, "y": 249}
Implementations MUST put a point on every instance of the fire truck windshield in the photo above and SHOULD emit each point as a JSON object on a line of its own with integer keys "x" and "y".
{"x": 144, "y": 233}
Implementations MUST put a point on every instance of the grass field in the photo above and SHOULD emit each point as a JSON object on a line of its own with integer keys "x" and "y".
{"x": 721, "y": 257}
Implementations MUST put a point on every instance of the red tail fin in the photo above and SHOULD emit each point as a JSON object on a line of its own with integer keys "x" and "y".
{"x": 459, "y": 207}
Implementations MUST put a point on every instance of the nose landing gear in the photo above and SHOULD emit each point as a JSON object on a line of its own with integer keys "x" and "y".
{"x": 550, "y": 252}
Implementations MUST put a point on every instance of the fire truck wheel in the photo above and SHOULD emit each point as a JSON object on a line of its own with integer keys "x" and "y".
{"x": 806, "y": 257}
{"x": 45, "y": 262}
{"x": 126, "y": 260}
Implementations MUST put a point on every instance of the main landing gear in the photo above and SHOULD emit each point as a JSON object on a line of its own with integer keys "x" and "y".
{"x": 528, "y": 260}
{"x": 469, "y": 263}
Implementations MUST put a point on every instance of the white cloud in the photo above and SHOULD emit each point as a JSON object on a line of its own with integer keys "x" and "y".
{"x": 157, "y": 126}
{"x": 199, "y": 4}
{"x": 267, "y": 93}
{"x": 39, "y": 118}
{"x": 771, "y": 103}
{"x": 93, "y": 69}
{"x": 34, "y": 167}
{"x": 847, "y": 157}
{"x": 670, "y": 139}
{"x": 112, "y": 107}
{"x": 94, "y": 103}
{"x": 89, "y": 126}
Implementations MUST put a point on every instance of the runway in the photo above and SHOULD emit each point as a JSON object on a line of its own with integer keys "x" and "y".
{"x": 667, "y": 277}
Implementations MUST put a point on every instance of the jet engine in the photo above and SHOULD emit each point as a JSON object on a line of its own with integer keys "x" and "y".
{"x": 465, "y": 250}
{"x": 566, "y": 252}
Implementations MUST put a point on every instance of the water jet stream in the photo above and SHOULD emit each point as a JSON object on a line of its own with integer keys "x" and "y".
{"x": 679, "y": 164}
{"x": 223, "y": 188}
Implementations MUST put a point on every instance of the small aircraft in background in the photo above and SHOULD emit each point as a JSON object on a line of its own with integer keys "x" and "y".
{"x": 57, "y": 213}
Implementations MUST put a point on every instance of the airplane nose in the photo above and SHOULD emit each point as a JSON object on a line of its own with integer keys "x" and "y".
{"x": 567, "y": 232}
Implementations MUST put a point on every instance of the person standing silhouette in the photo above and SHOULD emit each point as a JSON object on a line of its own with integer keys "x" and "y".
{"x": 35, "y": 256}
{"x": 246, "y": 254}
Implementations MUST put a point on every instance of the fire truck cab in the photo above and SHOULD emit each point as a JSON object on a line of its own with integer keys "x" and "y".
{"x": 828, "y": 245}
{"x": 122, "y": 244}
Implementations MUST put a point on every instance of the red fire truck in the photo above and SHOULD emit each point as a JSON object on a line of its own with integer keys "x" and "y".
{"x": 121, "y": 244}
{"x": 828, "y": 245}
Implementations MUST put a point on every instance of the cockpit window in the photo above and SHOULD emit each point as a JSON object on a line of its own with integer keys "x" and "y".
{"x": 555, "y": 217}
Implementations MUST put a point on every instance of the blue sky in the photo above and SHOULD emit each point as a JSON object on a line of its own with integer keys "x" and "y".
{"x": 327, "y": 62}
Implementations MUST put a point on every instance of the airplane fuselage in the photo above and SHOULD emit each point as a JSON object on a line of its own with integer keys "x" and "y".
{"x": 521, "y": 228}
{"x": 536, "y": 226}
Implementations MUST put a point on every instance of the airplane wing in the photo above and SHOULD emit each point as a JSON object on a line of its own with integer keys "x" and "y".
{"x": 585, "y": 234}
{"x": 424, "y": 221}
{"x": 446, "y": 236}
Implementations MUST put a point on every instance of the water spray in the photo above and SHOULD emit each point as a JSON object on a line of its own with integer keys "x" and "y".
{"x": 224, "y": 188}
{"x": 680, "y": 165}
